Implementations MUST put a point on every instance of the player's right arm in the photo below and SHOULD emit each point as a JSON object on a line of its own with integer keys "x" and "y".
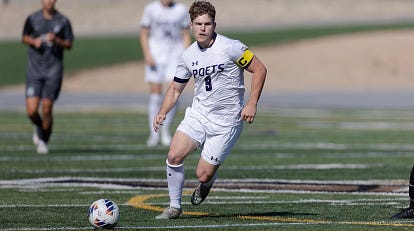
{"x": 170, "y": 99}
{"x": 27, "y": 37}
{"x": 35, "y": 42}
{"x": 144, "y": 40}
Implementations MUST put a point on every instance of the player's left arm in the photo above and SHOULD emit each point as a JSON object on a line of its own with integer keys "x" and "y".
{"x": 65, "y": 43}
{"x": 258, "y": 79}
{"x": 64, "y": 38}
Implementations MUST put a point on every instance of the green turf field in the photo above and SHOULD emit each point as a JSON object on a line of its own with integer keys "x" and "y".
{"x": 306, "y": 169}
{"x": 293, "y": 169}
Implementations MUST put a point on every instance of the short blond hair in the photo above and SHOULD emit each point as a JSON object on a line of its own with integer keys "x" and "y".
{"x": 199, "y": 8}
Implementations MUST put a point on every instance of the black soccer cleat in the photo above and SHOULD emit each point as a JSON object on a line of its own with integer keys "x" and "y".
{"x": 200, "y": 194}
{"x": 406, "y": 213}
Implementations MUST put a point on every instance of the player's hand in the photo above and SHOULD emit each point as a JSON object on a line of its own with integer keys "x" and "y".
{"x": 37, "y": 42}
{"x": 248, "y": 113}
{"x": 50, "y": 37}
{"x": 158, "y": 121}
{"x": 150, "y": 62}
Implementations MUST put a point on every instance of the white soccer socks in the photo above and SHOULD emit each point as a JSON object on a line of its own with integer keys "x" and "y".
{"x": 154, "y": 104}
{"x": 165, "y": 129}
{"x": 175, "y": 179}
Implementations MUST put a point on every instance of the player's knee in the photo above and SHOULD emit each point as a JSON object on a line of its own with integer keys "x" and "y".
{"x": 176, "y": 156}
{"x": 47, "y": 113}
{"x": 204, "y": 179}
{"x": 174, "y": 159}
{"x": 31, "y": 112}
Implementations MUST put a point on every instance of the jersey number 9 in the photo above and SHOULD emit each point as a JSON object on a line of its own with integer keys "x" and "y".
{"x": 207, "y": 80}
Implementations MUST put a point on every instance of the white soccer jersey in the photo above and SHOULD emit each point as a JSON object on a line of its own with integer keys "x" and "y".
{"x": 218, "y": 79}
{"x": 166, "y": 24}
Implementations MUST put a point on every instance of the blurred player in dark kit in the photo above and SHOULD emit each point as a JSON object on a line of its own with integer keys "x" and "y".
{"x": 48, "y": 33}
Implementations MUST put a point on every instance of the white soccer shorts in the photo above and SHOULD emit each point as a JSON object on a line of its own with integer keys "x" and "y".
{"x": 165, "y": 65}
{"x": 216, "y": 141}
{"x": 160, "y": 73}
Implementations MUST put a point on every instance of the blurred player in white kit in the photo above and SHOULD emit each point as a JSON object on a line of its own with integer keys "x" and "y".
{"x": 164, "y": 35}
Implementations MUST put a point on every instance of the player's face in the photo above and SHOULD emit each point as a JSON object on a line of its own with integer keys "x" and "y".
{"x": 167, "y": 2}
{"x": 48, "y": 4}
{"x": 203, "y": 29}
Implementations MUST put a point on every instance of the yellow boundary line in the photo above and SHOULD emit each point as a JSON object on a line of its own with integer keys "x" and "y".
{"x": 140, "y": 202}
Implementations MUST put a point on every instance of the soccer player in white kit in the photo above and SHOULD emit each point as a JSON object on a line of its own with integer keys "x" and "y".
{"x": 164, "y": 35}
{"x": 215, "y": 119}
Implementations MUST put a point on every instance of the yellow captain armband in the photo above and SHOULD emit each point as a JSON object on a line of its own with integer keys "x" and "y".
{"x": 245, "y": 59}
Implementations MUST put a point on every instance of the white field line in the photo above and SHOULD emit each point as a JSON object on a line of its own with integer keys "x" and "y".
{"x": 89, "y": 147}
{"x": 366, "y": 125}
{"x": 103, "y": 184}
{"x": 88, "y": 157}
{"x": 327, "y": 146}
{"x": 181, "y": 227}
{"x": 221, "y": 226}
{"x": 345, "y": 202}
{"x": 377, "y": 125}
{"x": 82, "y": 170}
{"x": 124, "y": 157}
{"x": 304, "y": 166}
{"x": 357, "y": 114}
{"x": 158, "y": 169}
{"x": 100, "y": 192}
{"x": 38, "y": 181}
{"x": 235, "y": 155}
{"x": 241, "y": 146}
{"x": 334, "y": 203}
{"x": 201, "y": 227}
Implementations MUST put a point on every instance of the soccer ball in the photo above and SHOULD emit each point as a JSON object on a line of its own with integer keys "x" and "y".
{"x": 103, "y": 214}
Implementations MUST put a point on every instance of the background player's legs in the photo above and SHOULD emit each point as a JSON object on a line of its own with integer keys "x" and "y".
{"x": 47, "y": 123}
{"x": 168, "y": 75}
{"x": 165, "y": 129}
{"x": 32, "y": 105}
{"x": 154, "y": 104}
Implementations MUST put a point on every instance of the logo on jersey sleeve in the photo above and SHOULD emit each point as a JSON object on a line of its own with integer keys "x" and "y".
{"x": 245, "y": 59}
